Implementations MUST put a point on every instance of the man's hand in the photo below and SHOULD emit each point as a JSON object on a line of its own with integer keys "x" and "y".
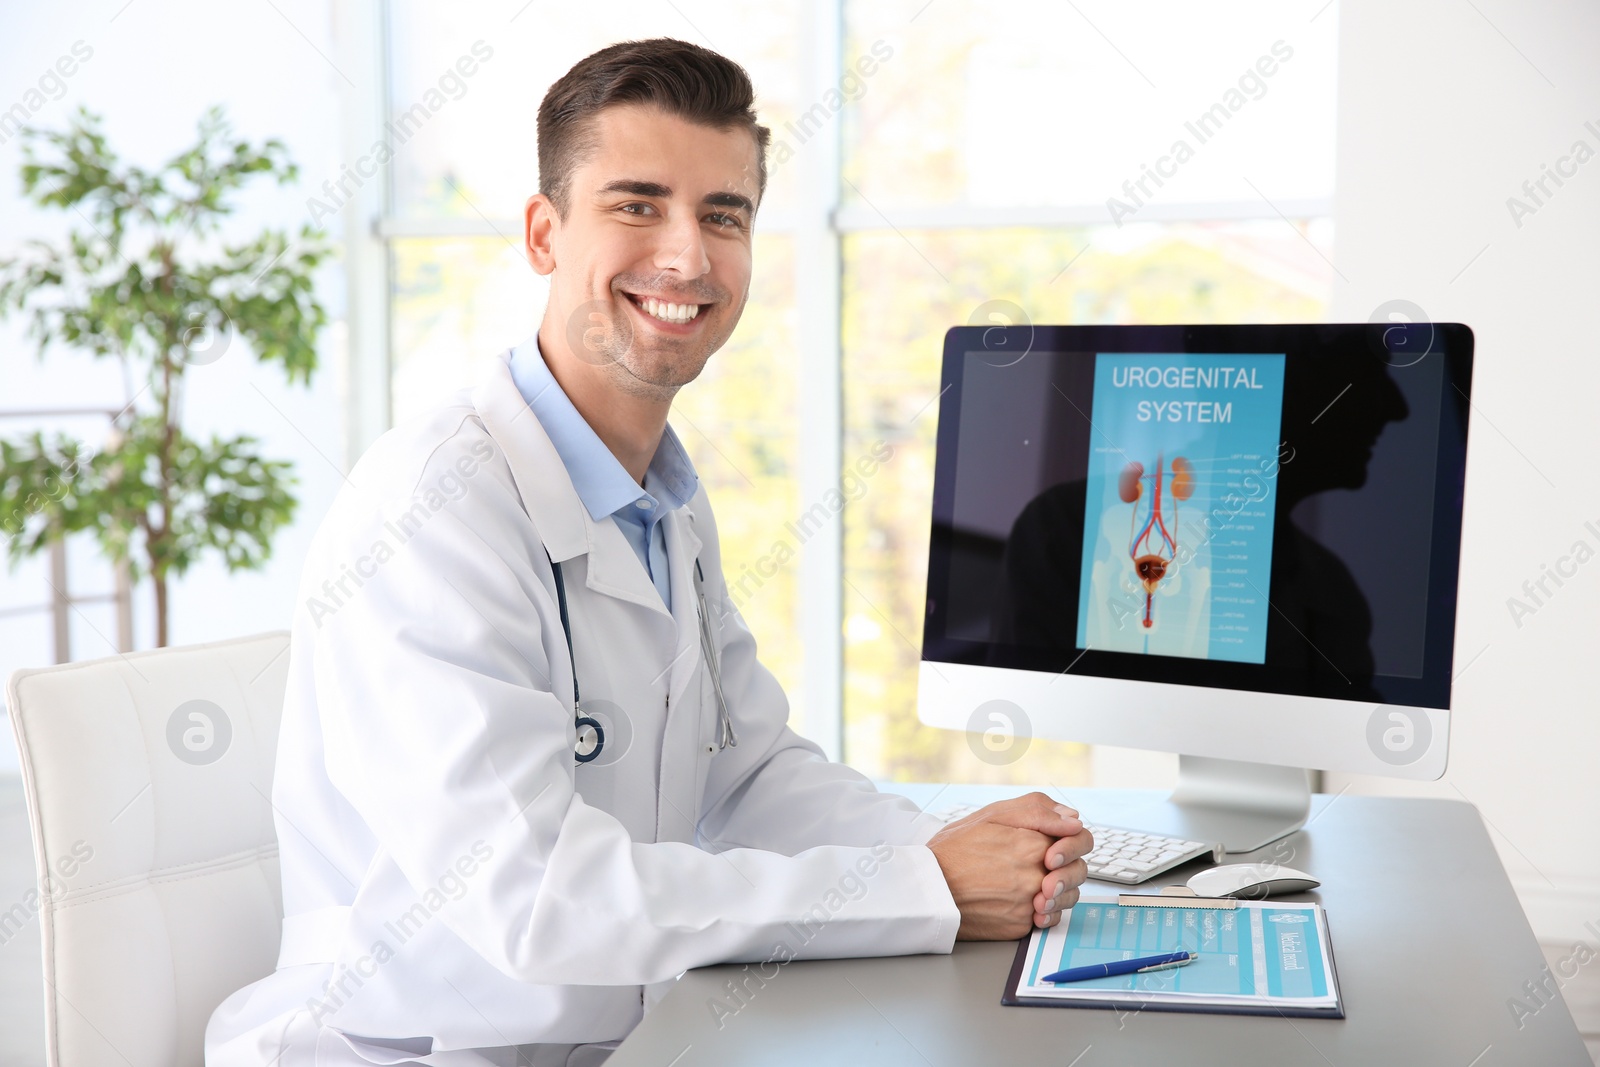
{"x": 1013, "y": 865}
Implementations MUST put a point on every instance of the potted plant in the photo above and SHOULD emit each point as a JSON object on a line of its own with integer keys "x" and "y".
{"x": 149, "y": 281}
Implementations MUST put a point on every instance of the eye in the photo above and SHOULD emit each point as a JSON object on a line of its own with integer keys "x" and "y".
{"x": 725, "y": 220}
{"x": 643, "y": 208}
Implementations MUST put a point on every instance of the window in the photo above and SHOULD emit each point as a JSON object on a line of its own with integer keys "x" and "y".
{"x": 928, "y": 161}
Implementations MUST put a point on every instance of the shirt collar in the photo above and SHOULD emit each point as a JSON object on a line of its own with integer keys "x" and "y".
{"x": 602, "y": 483}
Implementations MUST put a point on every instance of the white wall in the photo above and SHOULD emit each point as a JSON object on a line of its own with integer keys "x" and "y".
{"x": 1445, "y": 109}
{"x": 155, "y": 67}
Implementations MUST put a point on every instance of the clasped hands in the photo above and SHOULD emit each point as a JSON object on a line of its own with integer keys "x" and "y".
{"x": 1013, "y": 865}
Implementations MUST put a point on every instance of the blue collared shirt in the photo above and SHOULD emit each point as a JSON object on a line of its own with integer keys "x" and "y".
{"x": 603, "y": 484}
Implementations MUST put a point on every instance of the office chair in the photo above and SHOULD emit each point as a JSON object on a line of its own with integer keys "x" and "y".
{"x": 148, "y": 778}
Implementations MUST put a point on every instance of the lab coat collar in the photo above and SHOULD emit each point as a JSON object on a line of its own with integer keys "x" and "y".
{"x": 536, "y": 467}
{"x": 564, "y": 523}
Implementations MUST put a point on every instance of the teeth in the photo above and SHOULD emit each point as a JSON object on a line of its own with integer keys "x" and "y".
{"x": 679, "y": 313}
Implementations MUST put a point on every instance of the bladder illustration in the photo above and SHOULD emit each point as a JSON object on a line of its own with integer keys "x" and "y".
{"x": 1153, "y": 539}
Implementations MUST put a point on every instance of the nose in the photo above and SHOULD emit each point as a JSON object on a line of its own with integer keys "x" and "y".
{"x": 682, "y": 247}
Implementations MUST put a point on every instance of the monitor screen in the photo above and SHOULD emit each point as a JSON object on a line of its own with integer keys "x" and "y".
{"x": 1265, "y": 508}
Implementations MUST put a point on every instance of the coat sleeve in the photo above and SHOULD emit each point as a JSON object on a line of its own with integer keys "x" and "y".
{"x": 443, "y": 732}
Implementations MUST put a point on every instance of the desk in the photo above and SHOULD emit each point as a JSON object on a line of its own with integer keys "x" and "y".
{"x": 1428, "y": 987}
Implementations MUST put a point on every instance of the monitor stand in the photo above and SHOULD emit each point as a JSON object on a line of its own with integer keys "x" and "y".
{"x": 1242, "y": 805}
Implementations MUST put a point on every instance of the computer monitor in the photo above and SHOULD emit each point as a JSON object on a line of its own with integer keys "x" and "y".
{"x": 1236, "y": 543}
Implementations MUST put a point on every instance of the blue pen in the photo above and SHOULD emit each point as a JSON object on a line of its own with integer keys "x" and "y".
{"x": 1134, "y": 966}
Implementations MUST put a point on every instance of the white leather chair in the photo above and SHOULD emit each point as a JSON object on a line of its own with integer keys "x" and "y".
{"x": 148, "y": 778}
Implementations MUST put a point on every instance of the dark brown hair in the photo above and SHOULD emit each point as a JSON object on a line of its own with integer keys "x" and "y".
{"x": 683, "y": 79}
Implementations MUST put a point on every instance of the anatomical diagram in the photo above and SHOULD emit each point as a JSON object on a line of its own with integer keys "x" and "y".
{"x": 1153, "y": 527}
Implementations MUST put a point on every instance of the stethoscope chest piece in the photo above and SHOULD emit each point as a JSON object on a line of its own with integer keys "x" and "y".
{"x": 591, "y": 739}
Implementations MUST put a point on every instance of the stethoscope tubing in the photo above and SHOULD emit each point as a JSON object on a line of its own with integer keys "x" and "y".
{"x": 591, "y": 735}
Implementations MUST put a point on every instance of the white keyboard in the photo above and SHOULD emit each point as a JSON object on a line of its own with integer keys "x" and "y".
{"x": 1126, "y": 856}
{"x": 1132, "y": 856}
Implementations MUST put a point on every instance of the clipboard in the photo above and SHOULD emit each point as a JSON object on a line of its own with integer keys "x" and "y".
{"x": 1141, "y": 911}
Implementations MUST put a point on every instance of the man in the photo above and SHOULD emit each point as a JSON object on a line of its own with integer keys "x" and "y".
{"x": 530, "y": 769}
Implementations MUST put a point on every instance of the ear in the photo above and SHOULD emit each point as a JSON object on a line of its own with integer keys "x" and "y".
{"x": 540, "y": 223}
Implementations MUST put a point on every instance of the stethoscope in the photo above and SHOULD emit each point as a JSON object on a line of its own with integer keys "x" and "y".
{"x": 591, "y": 735}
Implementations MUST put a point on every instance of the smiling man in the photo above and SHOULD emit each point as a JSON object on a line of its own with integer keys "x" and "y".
{"x": 530, "y": 768}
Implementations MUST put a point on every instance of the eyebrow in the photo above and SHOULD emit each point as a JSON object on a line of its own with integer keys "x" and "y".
{"x": 636, "y": 187}
{"x": 738, "y": 200}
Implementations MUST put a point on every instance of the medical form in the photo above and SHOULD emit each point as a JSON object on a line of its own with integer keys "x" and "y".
{"x": 1260, "y": 957}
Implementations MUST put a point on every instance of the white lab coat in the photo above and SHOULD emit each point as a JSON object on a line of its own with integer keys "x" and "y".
{"x": 451, "y": 876}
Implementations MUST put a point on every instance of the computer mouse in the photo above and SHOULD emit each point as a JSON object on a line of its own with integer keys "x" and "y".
{"x": 1251, "y": 881}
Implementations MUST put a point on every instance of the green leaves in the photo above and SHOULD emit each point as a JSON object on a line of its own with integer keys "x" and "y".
{"x": 221, "y": 494}
{"x": 42, "y": 492}
{"x": 147, "y": 265}
{"x": 149, "y": 278}
{"x": 218, "y": 494}
{"x": 191, "y": 189}
{"x": 277, "y": 312}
